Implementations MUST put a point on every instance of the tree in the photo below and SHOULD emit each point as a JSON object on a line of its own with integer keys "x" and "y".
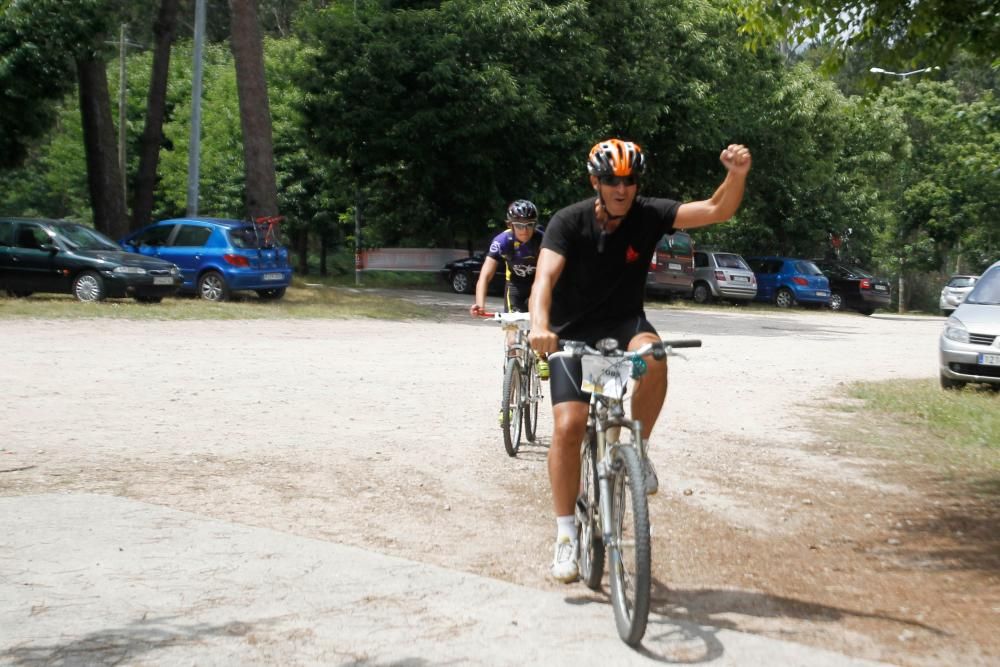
{"x": 152, "y": 136}
{"x": 445, "y": 112}
{"x": 893, "y": 32}
{"x": 107, "y": 198}
{"x": 255, "y": 113}
{"x": 39, "y": 41}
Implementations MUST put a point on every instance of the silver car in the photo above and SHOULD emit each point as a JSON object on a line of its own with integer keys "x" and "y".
{"x": 722, "y": 275}
{"x": 970, "y": 343}
{"x": 957, "y": 288}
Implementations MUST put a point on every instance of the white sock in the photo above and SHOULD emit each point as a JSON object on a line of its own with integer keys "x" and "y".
{"x": 566, "y": 526}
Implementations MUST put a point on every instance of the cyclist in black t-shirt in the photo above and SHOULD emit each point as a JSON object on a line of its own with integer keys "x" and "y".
{"x": 589, "y": 284}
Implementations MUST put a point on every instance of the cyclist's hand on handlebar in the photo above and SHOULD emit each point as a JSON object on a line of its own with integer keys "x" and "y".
{"x": 543, "y": 341}
{"x": 476, "y": 310}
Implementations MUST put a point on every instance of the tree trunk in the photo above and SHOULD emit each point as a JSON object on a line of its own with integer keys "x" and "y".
{"x": 323, "y": 245}
{"x": 255, "y": 114}
{"x": 107, "y": 198}
{"x": 152, "y": 135}
{"x": 302, "y": 249}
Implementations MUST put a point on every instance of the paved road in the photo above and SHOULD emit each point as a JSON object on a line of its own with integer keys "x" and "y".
{"x": 101, "y": 580}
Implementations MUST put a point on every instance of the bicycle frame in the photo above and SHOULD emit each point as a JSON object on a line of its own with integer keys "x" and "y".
{"x": 521, "y": 391}
{"x": 619, "y": 490}
{"x": 605, "y": 413}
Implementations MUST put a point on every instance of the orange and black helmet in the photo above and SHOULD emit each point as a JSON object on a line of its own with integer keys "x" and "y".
{"x": 614, "y": 157}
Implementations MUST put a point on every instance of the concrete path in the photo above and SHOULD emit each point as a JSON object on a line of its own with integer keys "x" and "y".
{"x": 93, "y": 579}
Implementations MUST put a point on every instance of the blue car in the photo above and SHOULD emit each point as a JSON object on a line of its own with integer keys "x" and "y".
{"x": 217, "y": 257}
{"x": 786, "y": 281}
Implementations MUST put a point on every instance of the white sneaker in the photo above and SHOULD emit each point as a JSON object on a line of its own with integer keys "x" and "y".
{"x": 564, "y": 566}
{"x": 652, "y": 482}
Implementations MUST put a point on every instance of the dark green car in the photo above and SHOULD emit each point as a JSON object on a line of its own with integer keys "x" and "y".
{"x": 38, "y": 255}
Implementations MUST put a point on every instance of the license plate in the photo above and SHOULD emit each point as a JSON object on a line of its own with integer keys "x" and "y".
{"x": 673, "y": 266}
{"x": 880, "y": 288}
{"x": 989, "y": 359}
{"x": 820, "y": 292}
{"x": 741, "y": 279}
{"x": 163, "y": 280}
{"x": 273, "y": 276}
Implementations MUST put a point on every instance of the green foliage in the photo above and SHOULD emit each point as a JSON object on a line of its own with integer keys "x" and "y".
{"x": 892, "y": 32}
{"x": 967, "y": 418}
{"x": 949, "y": 184}
{"x": 39, "y": 40}
{"x": 445, "y": 113}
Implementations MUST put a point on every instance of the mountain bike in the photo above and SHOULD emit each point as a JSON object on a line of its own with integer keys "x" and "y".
{"x": 522, "y": 388}
{"x": 266, "y": 228}
{"x": 612, "y": 513}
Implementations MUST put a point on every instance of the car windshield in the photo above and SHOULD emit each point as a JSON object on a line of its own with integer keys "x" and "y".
{"x": 962, "y": 281}
{"x": 807, "y": 268}
{"x": 78, "y": 237}
{"x": 731, "y": 262}
{"x": 987, "y": 290}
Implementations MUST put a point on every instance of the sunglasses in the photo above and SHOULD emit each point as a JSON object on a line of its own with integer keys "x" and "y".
{"x": 521, "y": 226}
{"x": 617, "y": 180}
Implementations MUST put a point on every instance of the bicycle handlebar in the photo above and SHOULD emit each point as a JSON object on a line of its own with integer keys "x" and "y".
{"x": 578, "y": 349}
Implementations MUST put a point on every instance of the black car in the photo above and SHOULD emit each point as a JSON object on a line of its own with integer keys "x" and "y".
{"x": 852, "y": 287}
{"x": 463, "y": 274}
{"x": 38, "y": 255}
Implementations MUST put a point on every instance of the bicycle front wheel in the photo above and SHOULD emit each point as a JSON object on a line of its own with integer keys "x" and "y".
{"x": 532, "y": 397}
{"x": 511, "y": 407}
{"x": 588, "y": 509}
{"x": 629, "y": 552}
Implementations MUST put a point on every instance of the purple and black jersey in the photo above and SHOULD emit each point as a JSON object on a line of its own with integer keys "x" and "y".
{"x": 519, "y": 258}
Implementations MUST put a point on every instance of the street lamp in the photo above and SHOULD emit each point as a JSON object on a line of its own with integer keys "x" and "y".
{"x": 902, "y": 75}
{"x": 901, "y": 292}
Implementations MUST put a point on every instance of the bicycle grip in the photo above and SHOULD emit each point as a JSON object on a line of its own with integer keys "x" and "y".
{"x": 689, "y": 342}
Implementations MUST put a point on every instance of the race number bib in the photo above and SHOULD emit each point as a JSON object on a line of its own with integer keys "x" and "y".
{"x": 605, "y": 376}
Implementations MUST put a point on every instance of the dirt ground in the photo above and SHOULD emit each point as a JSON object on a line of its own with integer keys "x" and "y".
{"x": 383, "y": 435}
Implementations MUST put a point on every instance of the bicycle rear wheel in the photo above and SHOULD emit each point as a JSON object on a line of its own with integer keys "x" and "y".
{"x": 532, "y": 397}
{"x": 629, "y": 554}
{"x": 511, "y": 407}
{"x": 588, "y": 508}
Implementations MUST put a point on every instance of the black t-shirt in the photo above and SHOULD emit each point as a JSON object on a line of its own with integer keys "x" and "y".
{"x": 595, "y": 287}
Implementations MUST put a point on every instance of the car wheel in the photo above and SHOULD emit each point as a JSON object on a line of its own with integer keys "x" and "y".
{"x": 784, "y": 298}
{"x": 948, "y": 383}
{"x": 702, "y": 294}
{"x": 149, "y": 299}
{"x": 461, "y": 282}
{"x": 836, "y": 301}
{"x": 271, "y": 294}
{"x": 212, "y": 287}
{"x": 88, "y": 286}
{"x": 19, "y": 293}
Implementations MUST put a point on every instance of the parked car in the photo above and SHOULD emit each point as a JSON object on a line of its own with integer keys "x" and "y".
{"x": 463, "y": 274}
{"x": 39, "y": 255}
{"x": 954, "y": 291}
{"x": 722, "y": 275}
{"x": 217, "y": 257}
{"x": 852, "y": 287}
{"x": 671, "y": 269}
{"x": 969, "y": 347}
{"x": 786, "y": 281}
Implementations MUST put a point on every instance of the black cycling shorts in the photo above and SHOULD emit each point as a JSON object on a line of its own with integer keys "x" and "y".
{"x": 566, "y": 374}
{"x": 515, "y": 298}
